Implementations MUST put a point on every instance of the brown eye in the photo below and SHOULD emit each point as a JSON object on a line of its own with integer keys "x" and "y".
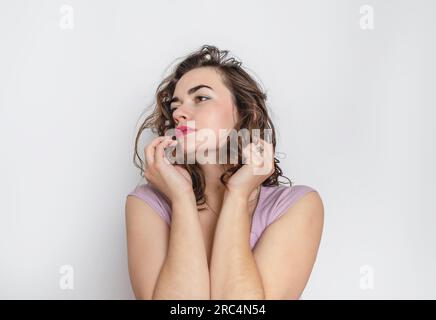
{"x": 207, "y": 98}
{"x": 197, "y": 97}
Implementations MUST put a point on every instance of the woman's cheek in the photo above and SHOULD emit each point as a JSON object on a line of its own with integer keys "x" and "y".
{"x": 206, "y": 139}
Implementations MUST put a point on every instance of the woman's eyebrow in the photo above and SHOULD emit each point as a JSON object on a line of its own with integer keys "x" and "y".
{"x": 190, "y": 91}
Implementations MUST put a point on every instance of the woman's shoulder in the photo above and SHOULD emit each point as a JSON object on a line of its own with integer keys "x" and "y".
{"x": 290, "y": 192}
{"x": 154, "y": 198}
{"x": 277, "y": 199}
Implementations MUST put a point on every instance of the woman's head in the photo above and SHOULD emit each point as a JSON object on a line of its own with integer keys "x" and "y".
{"x": 203, "y": 101}
{"x": 231, "y": 100}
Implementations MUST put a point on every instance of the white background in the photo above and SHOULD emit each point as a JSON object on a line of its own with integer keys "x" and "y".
{"x": 354, "y": 109}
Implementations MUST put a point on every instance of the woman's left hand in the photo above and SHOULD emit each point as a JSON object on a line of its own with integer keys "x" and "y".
{"x": 258, "y": 166}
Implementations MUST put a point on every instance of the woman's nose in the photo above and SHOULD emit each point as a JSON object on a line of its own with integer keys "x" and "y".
{"x": 181, "y": 115}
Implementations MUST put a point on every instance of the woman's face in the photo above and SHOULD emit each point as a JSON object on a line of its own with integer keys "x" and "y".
{"x": 209, "y": 110}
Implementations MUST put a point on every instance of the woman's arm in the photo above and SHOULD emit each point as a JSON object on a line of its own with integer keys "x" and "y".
{"x": 233, "y": 271}
{"x": 185, "y": 273}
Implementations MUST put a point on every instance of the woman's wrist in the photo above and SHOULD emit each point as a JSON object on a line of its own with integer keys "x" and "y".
{"x": 236, "y": 195}
{"x": 186, "y": 199}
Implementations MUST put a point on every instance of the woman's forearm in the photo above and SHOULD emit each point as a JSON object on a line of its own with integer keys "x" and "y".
{"x": 185, "y": 272}
{"x": 233, "y": 270}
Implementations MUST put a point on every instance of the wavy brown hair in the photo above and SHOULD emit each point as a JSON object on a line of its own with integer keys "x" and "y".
{"x": 249, "y": 99}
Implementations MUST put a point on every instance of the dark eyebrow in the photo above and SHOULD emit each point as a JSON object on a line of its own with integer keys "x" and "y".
{"x": 190, "y": 91}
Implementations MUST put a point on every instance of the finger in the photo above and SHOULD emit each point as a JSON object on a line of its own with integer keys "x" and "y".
{"x": 256, "y": 157}
{"x": 263, "y": 147}
{"x": 266, "y": 157}
{"x": 261, "y": 152}
{"x": 246, "y": 153}
{"x": 266, "y": 152}
{"x": 150, "y": 149}
{"x": 249, "y": 153}
{"x": 159, "y": 154}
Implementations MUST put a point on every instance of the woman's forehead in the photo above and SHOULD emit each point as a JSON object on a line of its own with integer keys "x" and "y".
{"x": 199, "y": 76}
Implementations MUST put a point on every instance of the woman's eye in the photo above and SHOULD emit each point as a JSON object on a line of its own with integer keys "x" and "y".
{"x": 207, "y": 98}
{"x": 172, "y": 108}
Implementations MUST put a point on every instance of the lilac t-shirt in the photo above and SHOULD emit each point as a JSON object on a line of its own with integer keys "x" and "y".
{"x": 273, "y": 202}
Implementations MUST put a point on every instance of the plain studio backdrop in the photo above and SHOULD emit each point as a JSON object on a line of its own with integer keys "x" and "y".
{"x": 350, "y": 88}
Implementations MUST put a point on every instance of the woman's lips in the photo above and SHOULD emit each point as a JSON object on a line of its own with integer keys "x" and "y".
{"x": 182, "y": 131}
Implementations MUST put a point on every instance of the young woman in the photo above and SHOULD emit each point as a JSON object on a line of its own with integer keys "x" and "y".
{"x": 215, "y": 230}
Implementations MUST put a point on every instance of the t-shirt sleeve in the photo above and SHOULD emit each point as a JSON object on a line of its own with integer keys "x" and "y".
{"x": 286, "y": 199}
{"x": 154, "y": 199}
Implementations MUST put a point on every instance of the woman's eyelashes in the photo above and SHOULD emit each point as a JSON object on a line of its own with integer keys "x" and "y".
{"x": 172, "y": 108}
{"x": 207, "y": 98}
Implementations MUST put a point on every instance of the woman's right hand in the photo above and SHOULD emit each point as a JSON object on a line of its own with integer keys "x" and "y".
{"x": 171, "y": 179}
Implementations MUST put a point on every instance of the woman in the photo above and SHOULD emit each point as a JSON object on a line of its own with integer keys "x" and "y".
{"x": 215, "y": 230}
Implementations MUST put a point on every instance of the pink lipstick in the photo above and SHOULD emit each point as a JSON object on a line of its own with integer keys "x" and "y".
{"x": 184, "y": 130}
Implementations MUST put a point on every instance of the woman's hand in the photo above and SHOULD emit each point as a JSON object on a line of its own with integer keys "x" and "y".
{"x": 172, "y": 180}
{"x": 259, "y": 165}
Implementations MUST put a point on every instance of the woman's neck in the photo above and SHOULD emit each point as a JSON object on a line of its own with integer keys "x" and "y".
{"x": 212, "y": 174}
{"x": 214, "y": 189}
